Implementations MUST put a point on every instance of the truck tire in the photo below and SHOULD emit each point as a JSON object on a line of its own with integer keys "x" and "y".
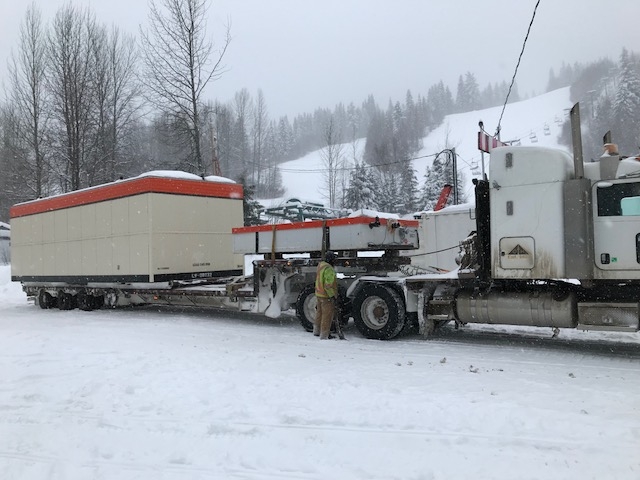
{"x": 46, "y": 300}
{"x": 66, "y": 301}
{"x": 306, "y": 307}
{"x": 378, "y": 312}
{"x": 84, "y": 301}
{"x": 97, "y": 302}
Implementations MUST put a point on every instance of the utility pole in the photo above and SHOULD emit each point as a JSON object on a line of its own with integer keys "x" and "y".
{"x": 481, "y": 125}
{"x": 454, "y": 162}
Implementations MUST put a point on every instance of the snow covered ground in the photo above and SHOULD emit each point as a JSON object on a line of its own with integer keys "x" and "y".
{"x": 176, "y": 394}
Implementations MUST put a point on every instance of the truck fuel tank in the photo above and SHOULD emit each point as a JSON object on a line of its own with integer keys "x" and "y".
{"x": 539, "y": 309}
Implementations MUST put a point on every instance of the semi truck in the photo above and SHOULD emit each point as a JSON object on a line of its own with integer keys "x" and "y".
{"x": 550, "y": 241}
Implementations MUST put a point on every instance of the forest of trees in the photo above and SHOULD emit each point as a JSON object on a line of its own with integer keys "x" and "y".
{"x": 81, "y": 109}
{"x": 609, "y": 96}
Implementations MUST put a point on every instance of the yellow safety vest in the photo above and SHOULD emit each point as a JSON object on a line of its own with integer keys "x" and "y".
{"x": 326, "y": 282}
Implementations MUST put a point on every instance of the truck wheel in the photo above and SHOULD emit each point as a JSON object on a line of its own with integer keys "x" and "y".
{"x": 306, "y": 307}
{"x": 45, "y": 299}
{"x": 66, "y": 301}
{"x": 345, "y": 306}
{"x": 378, "y": 312}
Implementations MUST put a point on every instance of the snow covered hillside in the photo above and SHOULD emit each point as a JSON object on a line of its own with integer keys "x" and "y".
{"x": 171, "y": 394}
{"x": 535, "y": 121}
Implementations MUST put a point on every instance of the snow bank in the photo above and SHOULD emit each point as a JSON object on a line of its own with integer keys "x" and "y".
{"x": 10, "y": 292}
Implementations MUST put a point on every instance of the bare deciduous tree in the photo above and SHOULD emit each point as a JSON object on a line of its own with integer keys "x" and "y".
{"x": 116, "y": 91}
{"x": 260, "y": 122}
{"x": 333, "y": 160}
{"x": 27, "y": 71}
{"x": 178, "y": 59}
{"x": 242, "y": 107}
{"x": 72, "y": 88}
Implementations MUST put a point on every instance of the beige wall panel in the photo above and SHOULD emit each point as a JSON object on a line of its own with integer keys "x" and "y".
{"x": 180, "y": 253}
{"x": 119, "y": 216}
{"x": 48, "y": 259}
{"x": 74, "y": 223}
{"x": 195, "y": 214}
{"x": 139, "y": 254}
{"x": 224, "y": 214}
{"x": 74, "y": 257}
{"x": 166, "y": 214}
{"x": 120, "y": 256}
{"x": 35, "y": 230}
{"x": 139, "y": 214}
{"x": 48, "y": 226}
{"x": 104, "y": 256}
{"x": 89, "y": 257}
{"x": 19, "y": 256}
{"x": 60, "y": 226}
{"x": 88, "y": 214}
{"x": 30, "y": 259}
{"x": 60, "y": 260}
{"x": 19, "y": 229}
{"x": 103, "y": 219}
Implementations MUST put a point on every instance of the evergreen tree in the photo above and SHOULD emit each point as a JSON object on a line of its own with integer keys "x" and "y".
{"x": 626, "y": 106}
{"x": 390, "y": 192}
{"x": 433, "y": 183}
{"x": 408, "y": 189}
{"x": 250, "y": 207}
{"x": 440, "y": 101}
{"x": 361, "y": 192}
{"x": 436, "y": 177}
{"x": 468, "y": 94}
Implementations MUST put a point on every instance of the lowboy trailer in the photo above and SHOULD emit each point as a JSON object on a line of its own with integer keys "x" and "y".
{"x": 170, "y": 238}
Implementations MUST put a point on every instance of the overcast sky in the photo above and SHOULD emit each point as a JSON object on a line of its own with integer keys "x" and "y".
{"x": 305, "y": 54}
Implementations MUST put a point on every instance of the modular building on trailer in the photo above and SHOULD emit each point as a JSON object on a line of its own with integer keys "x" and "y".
{"x": 152, "y": 228}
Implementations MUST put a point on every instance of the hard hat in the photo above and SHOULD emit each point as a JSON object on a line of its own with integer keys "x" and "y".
{"x": 330, "y": 256}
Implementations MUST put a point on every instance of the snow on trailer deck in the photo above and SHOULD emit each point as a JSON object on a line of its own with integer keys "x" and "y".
{"x": 176, "y": 394}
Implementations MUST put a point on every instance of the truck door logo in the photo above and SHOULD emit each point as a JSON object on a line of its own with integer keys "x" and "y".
{"x": 519, "y": 251}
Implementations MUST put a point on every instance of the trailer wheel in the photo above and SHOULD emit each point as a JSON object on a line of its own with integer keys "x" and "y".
{"x": 66, "y": 301}
{"x": 46, "y": 300}
{"x": 306, "y": 307}
{"x": 84, "y": 301}
{"x": 97, "y": 301}
{"x": 378, "y": 312}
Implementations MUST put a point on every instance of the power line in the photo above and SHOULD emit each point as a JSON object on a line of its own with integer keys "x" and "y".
{"x": 513, "y": 79}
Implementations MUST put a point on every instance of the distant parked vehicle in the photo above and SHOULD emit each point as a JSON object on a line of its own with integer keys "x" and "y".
{"x": 5, "y": 243}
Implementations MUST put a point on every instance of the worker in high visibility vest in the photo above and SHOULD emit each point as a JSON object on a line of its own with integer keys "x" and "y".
{"x": 326, "y": 296}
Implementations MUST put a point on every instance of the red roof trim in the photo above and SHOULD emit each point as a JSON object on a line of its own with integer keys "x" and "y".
{"x": 128, "y": 188}
{"x": 337, "y": 222}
